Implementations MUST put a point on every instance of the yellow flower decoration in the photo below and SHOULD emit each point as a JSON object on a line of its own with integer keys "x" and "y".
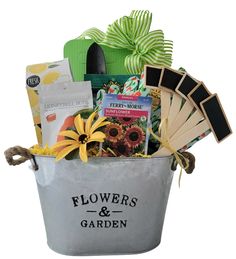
{"x": 43, "y": 151}
{"x": 84, "y": 134}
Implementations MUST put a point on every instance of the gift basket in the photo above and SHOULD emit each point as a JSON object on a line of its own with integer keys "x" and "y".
{"x": 113, "y": 120}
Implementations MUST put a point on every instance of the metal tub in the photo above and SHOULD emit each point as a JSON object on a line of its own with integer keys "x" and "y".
{"x": 105, "y": 206}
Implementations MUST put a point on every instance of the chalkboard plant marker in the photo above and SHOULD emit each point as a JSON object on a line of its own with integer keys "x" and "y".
{"x": 198, "y": 94}
{"x": 216, "y": 117}
{"x": 170, "y": 79}
{"x": 186, "y": 85}
{"x": 152, "y": 76}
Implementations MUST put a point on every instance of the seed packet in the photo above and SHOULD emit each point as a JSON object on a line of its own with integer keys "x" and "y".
{"x": 58, "y": 104}
{"x": 127, "y": 134}
{"x": 134, "y": 85}
{"x": 105, "y": 81}
{"x": 45, "y": 75}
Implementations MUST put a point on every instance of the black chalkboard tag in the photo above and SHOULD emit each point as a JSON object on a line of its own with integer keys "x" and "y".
{"x": 152, "y": 76}
{"x": 186, "y": 85}
{"x": 198, "y": 94}
{"x": 170, "y": 79}
{"x": 215, "y": 115}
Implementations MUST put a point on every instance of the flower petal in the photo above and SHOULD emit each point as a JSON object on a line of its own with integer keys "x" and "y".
{"x": 83, "y": 153}
{"x": 104, "y": 123}
{"x": 79, "y": 124}
{"x": 89, "y": 122}
{"x": 69, "y": 134}
{"x": 63, "y": 143}
{"x": 95, "y": 140}
{"x": 97, "y": 135}
{"x": 66, "y": 151}
{"x": 97, "y": 124}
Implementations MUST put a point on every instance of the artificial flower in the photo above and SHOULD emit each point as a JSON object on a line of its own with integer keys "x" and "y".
{"x": 108, "y": 152}
{"x": 43, "y": 151}
{"x": 126, "y": 120}
{"x": 113, "y": 132}
{"x": 134, "y": 136}
{"x": 78, "y": 139}
{"x": 122, "y": 149}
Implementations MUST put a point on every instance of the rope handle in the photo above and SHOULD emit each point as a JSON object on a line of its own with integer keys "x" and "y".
{"x": 24, "y": 154}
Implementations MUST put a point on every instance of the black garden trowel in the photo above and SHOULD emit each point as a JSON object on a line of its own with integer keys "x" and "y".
{"x": 95, "y": 67}
{"x": 96, "y": 63}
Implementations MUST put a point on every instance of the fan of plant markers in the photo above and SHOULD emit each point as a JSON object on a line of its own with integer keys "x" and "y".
{"x": 188, "y": 107}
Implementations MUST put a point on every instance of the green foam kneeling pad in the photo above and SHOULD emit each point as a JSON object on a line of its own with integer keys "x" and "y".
{"x": 76, "y": 51}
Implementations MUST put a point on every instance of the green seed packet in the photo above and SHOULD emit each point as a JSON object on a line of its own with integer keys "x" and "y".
{"x": 105, "y": 81}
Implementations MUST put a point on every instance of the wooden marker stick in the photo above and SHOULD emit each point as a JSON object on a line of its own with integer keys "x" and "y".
{"x": 184, "y": 139}
{"x": 174, "y": 108}
{"x": 194, "y": 119}
{"x": 165, "y": 104}
{"x": 181, "y": 117}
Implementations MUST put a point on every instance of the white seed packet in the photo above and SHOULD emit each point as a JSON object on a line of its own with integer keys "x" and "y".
{"x": 60, "y": 101}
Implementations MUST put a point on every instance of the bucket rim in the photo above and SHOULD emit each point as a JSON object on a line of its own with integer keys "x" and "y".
{"x": 109, "y": 158}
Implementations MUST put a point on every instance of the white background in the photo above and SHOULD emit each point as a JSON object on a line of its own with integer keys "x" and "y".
{"x": 201, "y": 216}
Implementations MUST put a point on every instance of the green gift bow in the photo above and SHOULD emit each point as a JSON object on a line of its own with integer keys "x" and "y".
{"x": 132, "y": 33}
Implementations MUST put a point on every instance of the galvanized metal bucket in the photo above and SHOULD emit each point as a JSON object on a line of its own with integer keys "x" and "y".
{"x": 105, "y": 206}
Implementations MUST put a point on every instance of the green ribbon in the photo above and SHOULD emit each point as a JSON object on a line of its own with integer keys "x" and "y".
{"x": 132, "y": 33}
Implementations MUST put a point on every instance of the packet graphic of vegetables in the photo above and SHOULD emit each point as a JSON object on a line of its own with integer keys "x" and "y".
{"x": 58, "y": 103}
{"x": 127, "y": 134}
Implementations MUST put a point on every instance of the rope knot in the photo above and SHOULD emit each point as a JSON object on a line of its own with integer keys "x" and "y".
{"x": 163, "y": 138}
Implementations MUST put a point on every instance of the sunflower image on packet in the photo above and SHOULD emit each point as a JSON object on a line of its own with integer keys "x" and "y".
{"x": 127, "y": 134}
{"x": 44, "y": 74}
